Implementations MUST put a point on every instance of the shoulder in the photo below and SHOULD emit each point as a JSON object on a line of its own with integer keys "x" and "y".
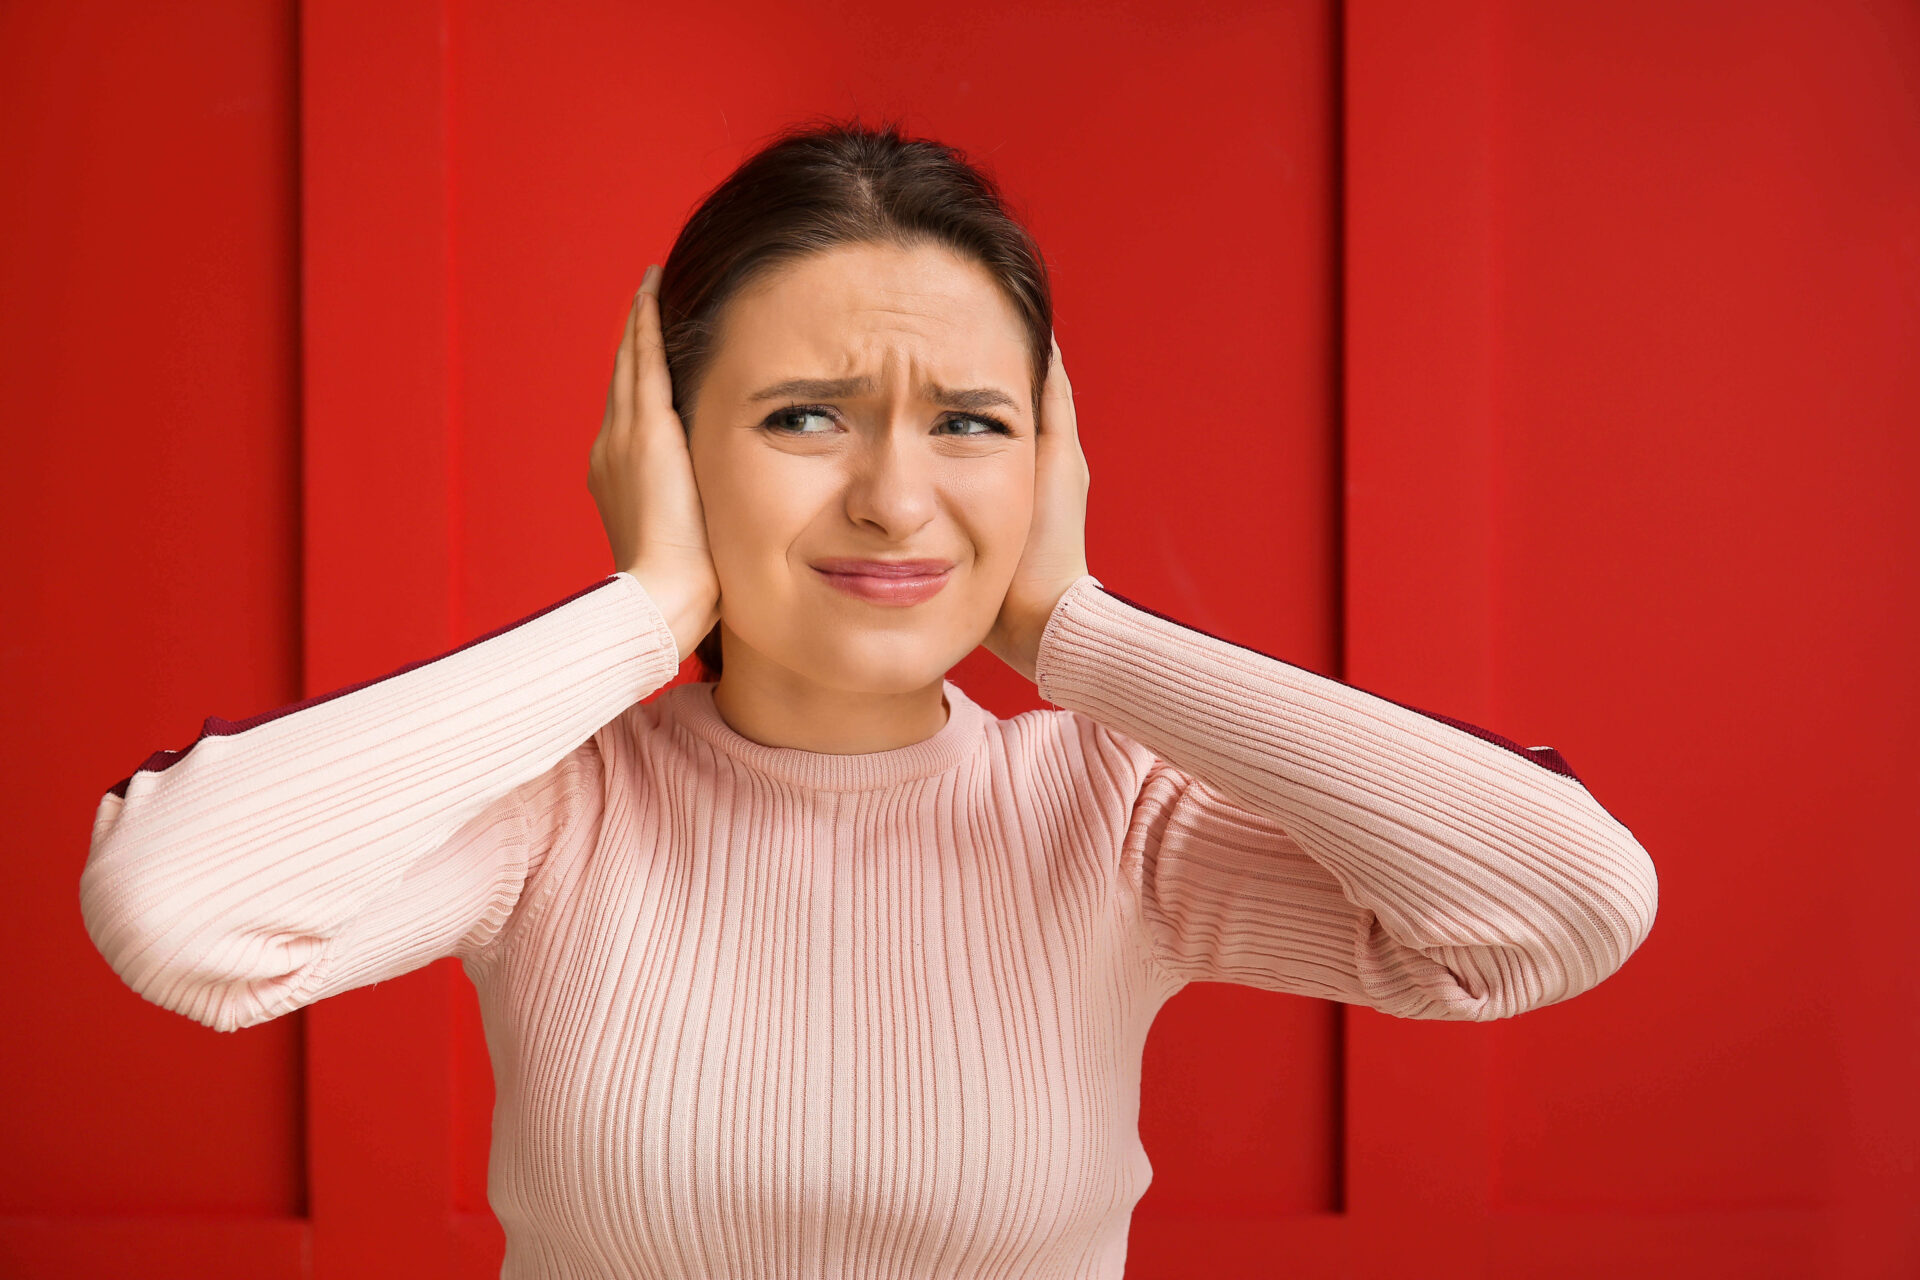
{"x": 649, "y": 727}
{"x": 1098, "y": 762}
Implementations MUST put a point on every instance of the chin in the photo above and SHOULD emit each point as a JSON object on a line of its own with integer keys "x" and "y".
{"x": 898, "y": 664}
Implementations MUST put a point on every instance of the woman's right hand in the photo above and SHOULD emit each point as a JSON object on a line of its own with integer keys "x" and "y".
{"x": 641, "y": 476}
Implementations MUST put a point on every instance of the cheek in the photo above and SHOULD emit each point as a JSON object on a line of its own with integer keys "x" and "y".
{"x": 755, "y": 508}
{"x": 1004, "y": 505}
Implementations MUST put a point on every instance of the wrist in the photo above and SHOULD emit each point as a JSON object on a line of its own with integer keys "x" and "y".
{"x": 685, "y": 613}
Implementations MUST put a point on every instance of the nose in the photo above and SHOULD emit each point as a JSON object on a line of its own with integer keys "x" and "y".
{"x": 892, "y": 479}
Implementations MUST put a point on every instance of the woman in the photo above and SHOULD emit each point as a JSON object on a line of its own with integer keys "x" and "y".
{"x": 817, "y": 968}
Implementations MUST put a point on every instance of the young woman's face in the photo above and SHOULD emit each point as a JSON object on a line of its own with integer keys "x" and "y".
{"x": 904, "y": 461}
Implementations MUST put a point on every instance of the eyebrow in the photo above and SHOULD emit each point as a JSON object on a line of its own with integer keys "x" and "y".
{"x": 841, "y": 388}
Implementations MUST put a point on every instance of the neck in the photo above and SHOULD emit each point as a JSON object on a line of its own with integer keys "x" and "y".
{"x": 780, "y": 708}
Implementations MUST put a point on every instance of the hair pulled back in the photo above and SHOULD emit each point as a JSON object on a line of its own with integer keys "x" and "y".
{"x": 819, "y": 185}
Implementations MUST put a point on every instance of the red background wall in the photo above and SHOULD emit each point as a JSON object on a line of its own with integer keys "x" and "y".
{"x": 1548, "y": 365}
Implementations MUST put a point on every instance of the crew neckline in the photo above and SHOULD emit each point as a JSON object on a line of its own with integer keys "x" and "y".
{"x": 692, "y": 706}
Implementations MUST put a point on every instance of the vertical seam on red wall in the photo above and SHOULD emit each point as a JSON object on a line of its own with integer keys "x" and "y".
{"x": 456, "y": 523}
{"x": 1337, "y": 329}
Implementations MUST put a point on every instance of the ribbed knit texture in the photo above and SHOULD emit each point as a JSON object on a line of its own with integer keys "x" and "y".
{"x": 762, "y": 1012}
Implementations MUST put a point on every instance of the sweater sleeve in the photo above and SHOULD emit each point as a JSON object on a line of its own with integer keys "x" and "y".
{"x": 1297, "y": 834}
{"x": 365, "y": 832}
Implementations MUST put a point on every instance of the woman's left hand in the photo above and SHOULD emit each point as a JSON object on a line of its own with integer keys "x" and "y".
{"x": 1055, "y": 556}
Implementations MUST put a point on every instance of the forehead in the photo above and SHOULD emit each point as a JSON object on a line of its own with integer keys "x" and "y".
{"x": 862, "y": 309}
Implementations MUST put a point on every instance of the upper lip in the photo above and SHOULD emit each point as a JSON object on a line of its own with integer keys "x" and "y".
{"x": 883, "y": 568}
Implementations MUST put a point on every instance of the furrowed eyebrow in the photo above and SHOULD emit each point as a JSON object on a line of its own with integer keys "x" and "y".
{"x": 841, "y": 388}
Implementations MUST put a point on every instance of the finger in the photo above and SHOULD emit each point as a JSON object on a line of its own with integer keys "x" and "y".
{"x": 1058, "y": 425}
{"x": 620, "y": 388}
{"x": 653, "y": 384}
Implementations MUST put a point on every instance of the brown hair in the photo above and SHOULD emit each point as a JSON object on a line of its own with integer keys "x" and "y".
{"x": 825, "y": 183}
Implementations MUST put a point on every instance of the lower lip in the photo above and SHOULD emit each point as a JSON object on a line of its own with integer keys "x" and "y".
{"x": 887, "y": 590}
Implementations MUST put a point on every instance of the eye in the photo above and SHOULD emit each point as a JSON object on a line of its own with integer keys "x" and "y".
{"x": 993, "y": 425}
{"x": 777, "y": 421}
{"x": 779, "y": 416}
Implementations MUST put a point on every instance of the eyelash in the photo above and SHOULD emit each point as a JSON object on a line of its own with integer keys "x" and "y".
{"x": 997, "y": 426}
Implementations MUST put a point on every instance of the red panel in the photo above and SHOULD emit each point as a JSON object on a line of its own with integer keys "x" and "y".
{"x": 1710, "y": 309}
{"x": 162, "y": 1245}
{"x": 1631, "y": 403}
{"x": 1418, "y": 194}
{"x": 149, "y": 517}
{"x": 380, "y": 442}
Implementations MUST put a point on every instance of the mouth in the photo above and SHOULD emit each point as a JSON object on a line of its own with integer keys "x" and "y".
{"x": 886, "y": 583}
{"x": 884, "y": 568}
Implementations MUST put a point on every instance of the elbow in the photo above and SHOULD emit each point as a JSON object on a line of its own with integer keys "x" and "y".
{"x": 1580, "y": 938}
{"x": 197, "y": 982}
{"x": 220, "y": 978}
{"x": 1604, "y": 921}
{"x": 1472, "y": 983}
{"x": 1484, "y": 983}
{"x": 1568, "y": 927}
{"x": 1481, "y": 984}
{"x": 178, "y": 946}
{"x": 1610, "y": 896}
{"x": 1572, "y": 951}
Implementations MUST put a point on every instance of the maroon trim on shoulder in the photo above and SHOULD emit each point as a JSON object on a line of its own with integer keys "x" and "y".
{"x": 215, "y": 727}
{"x": 1546, "y": 757}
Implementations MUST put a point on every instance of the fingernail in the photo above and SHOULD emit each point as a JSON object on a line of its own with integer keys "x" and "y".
{"x": 653, "y": 273}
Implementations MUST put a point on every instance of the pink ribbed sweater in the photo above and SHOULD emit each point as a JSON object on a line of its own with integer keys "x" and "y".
{"x": 762, "y": 1012}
